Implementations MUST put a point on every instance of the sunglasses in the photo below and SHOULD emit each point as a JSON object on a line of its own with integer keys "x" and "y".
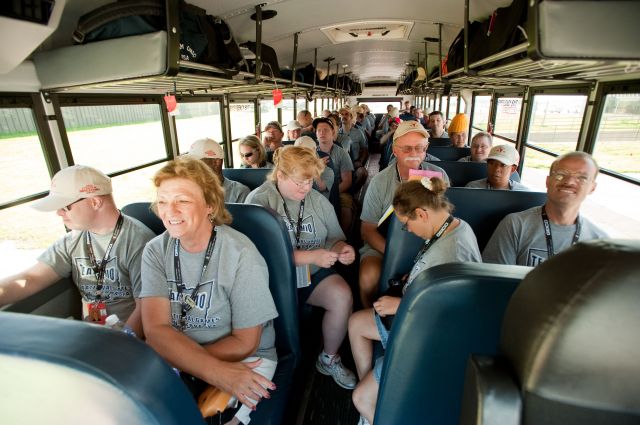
{"x": 247, "y": 155}
{"x": 68, "y": 207}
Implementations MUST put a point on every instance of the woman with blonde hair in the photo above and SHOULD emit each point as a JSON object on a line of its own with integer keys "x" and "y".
{"x": 253, "y": 153}
{"x": 200, "y": 282}
{"x": 424, "y": 210}
{"x": 318, "y": 243}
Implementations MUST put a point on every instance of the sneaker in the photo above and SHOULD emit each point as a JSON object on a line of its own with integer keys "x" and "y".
{"x": 363, "y": 421}
{"x": 343, "y": 376}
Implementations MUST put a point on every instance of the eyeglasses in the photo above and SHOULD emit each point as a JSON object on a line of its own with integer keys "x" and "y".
{"x": 68, "y": 207}
{"x": 416, "y": 149}
{"x": 247, "y": 155}
{"x": 301, "y": 183}
{"x": 564, "y": 175}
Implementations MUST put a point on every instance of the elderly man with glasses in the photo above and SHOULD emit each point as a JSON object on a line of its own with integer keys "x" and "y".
{"x": 410, "y": 145}
{"x": 530, "y": 237}
{"x": 101, "y": 253}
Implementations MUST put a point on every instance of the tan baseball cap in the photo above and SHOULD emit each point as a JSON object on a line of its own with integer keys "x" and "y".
{"x": 408, "y": 127}
{"x": 72, "y": 184}
{"x": 506, "y": 154}
{"x": 206, "y": 148}
{"x": 305, "y": 142}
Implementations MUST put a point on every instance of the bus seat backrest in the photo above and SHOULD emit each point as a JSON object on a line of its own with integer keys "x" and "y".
{"x": 439, "y": 141}
{"x": 142, "y": 212}
{"x": 449, "y": 312}
{"x": 569, "y": 343}
{"x": 482, "y": 209}
{"x": 266, "y": 230}
{"x": 448, "y": 153}
{"x": 77, "y": 367}
{"x": 461, "y": 173}
{"x": 250, "y": 177}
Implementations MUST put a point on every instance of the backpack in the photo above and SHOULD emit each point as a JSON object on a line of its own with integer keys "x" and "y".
{"x": 203, "y": 38}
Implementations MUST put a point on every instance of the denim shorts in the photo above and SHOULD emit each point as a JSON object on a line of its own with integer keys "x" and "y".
{"x": 384, "y": 337}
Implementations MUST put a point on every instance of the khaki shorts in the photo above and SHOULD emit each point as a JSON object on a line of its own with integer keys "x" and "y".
{"x": 346, "y": 201}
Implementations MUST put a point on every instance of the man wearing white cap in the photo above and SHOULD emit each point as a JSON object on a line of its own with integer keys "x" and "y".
{"x": 410, "y": 145}
{"x": 210, "y": 152}
{"x": 294, "y": 129}
{"x": 529, "y": 237}
{"x": 501, "y": 163}
{"x": 101, "y": 253}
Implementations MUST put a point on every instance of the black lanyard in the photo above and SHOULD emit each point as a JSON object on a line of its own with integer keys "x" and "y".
{"x": 547, "y": 232}
{"x": 99, "y": 269}
{"x": 428, "y": 244}
{"x": 300, "y": 216}
{"x": 187, "y": 301}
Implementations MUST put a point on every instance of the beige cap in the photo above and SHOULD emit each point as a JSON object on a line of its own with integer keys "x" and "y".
{"x": 409, "y": 126}
{"x": 206, "y": 148}
{"x": 506, "y": 154}
{"x": 72, "y": 184}
{"x": 305, "y": 142}
{"x": 293, "y": 125}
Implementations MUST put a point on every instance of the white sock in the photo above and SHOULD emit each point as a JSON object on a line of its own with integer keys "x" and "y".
{"x": 327, "y": 358}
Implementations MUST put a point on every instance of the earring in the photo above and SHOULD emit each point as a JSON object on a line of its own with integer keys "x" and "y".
{"x": 211, "y": 218}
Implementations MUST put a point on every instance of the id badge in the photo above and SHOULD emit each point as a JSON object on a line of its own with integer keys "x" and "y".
{"x": 303, "y": 276}
{"x": 96, "y": 311}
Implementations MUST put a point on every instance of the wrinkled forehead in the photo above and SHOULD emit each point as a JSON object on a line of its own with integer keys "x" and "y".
{"x": 575, "y": 165}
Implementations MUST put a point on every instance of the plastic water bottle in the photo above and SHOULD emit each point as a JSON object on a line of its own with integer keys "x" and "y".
{"x": 114, "y": 322}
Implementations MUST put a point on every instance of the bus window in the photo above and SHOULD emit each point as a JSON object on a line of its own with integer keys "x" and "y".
{"x": 242, "y": 125}
{"x": 268, "y": 113}
{"x": 453, "y": 104}
{"x": 481, "y": 109}
{"x": 21, "y": 158}
{"x": 617, "y": 146}
{"x": 287, "y": 114}
{"x": 197, "y": 120}
{"x": 135, "y": 186}
{"x": 301, "y": 104}
{"x": 508, "y": 117}
{"x": 112, "y": 138}
{"x": 24, "y": 232}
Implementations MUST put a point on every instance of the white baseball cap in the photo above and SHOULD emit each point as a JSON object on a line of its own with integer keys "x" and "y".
{"x": 206, "y": 148}
{"x": 293, "y": 125}
{"x": 410, "y": 126}
{"x": 305, "y": 142}
{"x": 72, "y": 184}
{"x": 506, "y": 154}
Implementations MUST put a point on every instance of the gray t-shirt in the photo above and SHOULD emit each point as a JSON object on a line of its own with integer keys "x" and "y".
{"x": 341, "y": 162}
{"x": 379, "y": 194}
{"x": 358, "y": 141}
{"x": 468, "y": 159}
{"x": 233, "y": 293}
{"x": 519, "y": 238}
{"x": 484, "y": 184}
{"x": 320, "y": 227}
{"x": 69, "y": 256}
{"x": 234, "y": 191}
{"x": 327, "y": 178}
{"x": 460, "y": 244}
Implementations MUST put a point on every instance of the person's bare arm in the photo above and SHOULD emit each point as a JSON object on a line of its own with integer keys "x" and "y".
{"x": 26, "y": 283}
{"x": 370, "y": 235}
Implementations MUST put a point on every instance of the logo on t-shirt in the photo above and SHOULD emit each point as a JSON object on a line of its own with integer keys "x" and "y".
{"x": 87, "y": 282}
{"x": 536, "y": 256}
{"x": 202, "y": 315}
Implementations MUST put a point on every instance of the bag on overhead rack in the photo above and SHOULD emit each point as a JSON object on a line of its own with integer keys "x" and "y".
{"x": 270, "y": 67}
{"x": 203, "y": 38}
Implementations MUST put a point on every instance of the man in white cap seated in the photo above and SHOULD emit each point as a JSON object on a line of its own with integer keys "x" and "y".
{"x": 210, "y": 152}
{"x": 410, "y": 144}
{"x": 294, "y": 129}
{"x": 501, "y": 163}
{"x": 101, "y": 253}
{"x": 325, "y": 182}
